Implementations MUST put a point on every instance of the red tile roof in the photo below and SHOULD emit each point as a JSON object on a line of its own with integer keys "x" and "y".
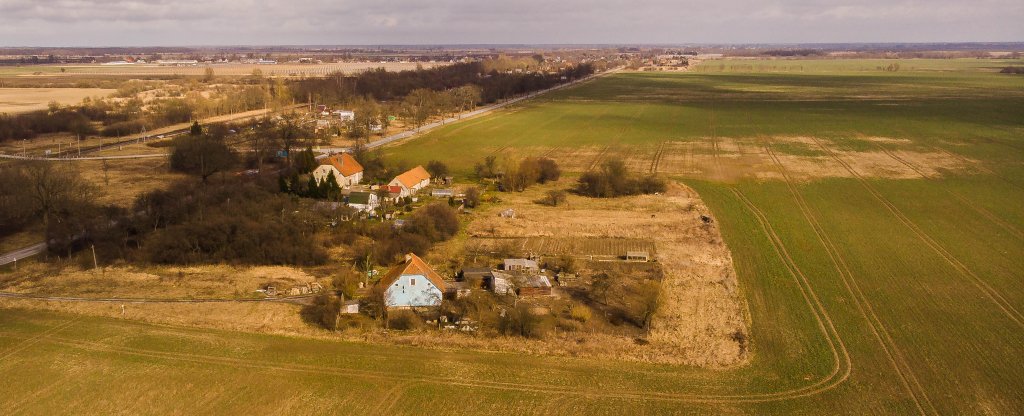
{"x": 344, "y": 163}
{"x": 413, "y": 176}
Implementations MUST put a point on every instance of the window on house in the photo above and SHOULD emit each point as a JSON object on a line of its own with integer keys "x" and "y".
{"x": 412, "y": 282}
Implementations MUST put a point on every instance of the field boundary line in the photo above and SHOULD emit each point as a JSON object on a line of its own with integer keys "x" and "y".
{"x": 867, "y": 311}
{"x": 984, "y": 212}
{"x": 957, "y": 265}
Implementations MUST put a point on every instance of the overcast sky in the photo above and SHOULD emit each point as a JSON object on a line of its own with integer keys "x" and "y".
{"x": 373, "y": 22}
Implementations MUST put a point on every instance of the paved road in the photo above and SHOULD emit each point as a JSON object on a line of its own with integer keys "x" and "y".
{"x": 21, "y": 253}
{"x": 145, "y": 156}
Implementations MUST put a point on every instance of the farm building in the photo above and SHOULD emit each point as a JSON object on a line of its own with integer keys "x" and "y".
{"x": 362, "y": 201}
{"x": 638, "y": 256}
{"x": 411, "y": 181}
{"x": 412, "y": 284}
{"x": 520, "y": 265}
{"x": 346, "y": 170}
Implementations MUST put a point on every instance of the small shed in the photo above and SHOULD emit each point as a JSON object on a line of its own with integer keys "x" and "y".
{"x": 442, "y": 193}
{"x": 508, "y": 213}
{"x": 638, "y": 256}
{"x": 501, "y": 283}
{"x": 349, "y": 307}
{"x": 482, "y": 274}
{"x": 457, "y": 290}
{"x": 533, "y": 285}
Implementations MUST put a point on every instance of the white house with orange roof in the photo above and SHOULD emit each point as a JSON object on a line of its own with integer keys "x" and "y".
{"x": 343, "y": 166}
{"x": 412, "y": 284}
{"x": 411, "y": 181}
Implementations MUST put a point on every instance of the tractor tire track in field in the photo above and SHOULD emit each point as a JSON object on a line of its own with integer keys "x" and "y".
{"x": 980, "y": 210}
{"x": 657, "y": 157}
{"x": 33, "y": 340}
{"x": 392, "y": 396}
{"x": 24, "y": 400}
{"x": 597, "y": 159}
{"x": 882, "y": 334}
{"x": 994, "y": 295}
{"x": 842, "y": 364}
{"x": 823, "y": 385}
{"x": 968, "y": 162}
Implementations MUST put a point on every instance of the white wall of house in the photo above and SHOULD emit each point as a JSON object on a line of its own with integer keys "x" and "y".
{"x": 412, "y": 291}
{"x": 321, "y": 172}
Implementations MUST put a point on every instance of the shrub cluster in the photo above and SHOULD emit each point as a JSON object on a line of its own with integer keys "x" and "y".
{"x": 529, "y": 171}
{"x": 614, "y": 180}
{"x": 430, "y": 224}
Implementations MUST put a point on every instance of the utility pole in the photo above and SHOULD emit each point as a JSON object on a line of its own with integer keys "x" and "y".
{"x": 79, "y": 139}
{"x": 95, "y": 264}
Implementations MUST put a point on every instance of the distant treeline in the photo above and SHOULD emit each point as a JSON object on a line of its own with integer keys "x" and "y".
{"x": 794, "y": 52}
{"x": 386, "y": 85}
{"x": 1012, "y": 70}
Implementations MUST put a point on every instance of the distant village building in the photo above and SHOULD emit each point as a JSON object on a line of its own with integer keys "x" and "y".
{"x": 346, "y": 170}
{"x": 412, "y": 284}
{"x": 411, "y": 181}
{"x": 508, "y": 213}
{"x": 520, "y": 265}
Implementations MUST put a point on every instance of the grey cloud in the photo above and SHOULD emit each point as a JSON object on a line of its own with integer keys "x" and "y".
{"x": 212, "y": 22}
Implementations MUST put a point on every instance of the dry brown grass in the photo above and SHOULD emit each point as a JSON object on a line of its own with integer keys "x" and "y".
{"x": 703, "y": 305}
{"x": 23, "y": 100}
{"x": 160, "y": 282}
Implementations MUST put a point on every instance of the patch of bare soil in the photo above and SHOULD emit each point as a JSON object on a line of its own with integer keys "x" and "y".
{"x": 730, "y": 159}
{"x": 703, "y": 309}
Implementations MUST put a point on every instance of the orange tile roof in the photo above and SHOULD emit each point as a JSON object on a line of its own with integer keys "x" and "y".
{"x": 413, "y": 176}
{"x": 344, "y": 163}
{"x": 414, "y": 265}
